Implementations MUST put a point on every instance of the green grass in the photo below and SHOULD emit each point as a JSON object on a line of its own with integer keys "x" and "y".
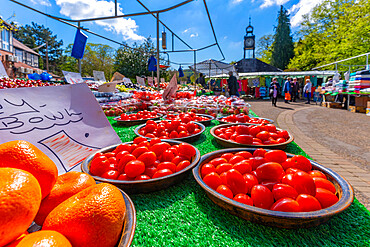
{"x": 183, "y": 215}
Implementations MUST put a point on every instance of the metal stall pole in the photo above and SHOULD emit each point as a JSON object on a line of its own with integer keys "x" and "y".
{"x": 79, "y": 60}
{"x": 209, "y": 75}
{"x": 195, "y": 72}
{"x": 158, "y": 72}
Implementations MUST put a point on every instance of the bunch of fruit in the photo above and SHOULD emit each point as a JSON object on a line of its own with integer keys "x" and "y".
{"x": 72, "y": 209}
{"x": 142, "y": 160}
{"x": 270, "y": 180}
{"x": 111, "y": 111}
{"x": 138, "y": 116}
{"x": 226, "y": 110}
{"x": 16, "y": 83}
{"x": 252, "y": 134}
{"x": 242, "y": 118}
{"x": 169, "y": 130}
{"x": 147, "y": 96}
{"x": 204, "y": 110}
{"x": 187, "y": 117}
{"x": 184, "y": 95}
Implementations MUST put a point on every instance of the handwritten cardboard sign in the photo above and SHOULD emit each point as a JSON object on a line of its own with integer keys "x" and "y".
{"x": 170, "y": 89}
{"x": 65, "y": 122}
{"x": 108, "y": 87}
{"x": 3, "y": 71}
{"x": 72, "y": 77}
{"x": 99, "y": 76}
{"x": 140, "y": 81}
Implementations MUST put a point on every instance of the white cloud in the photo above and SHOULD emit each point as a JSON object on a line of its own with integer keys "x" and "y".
{"x": 303, "y": 7}
{"x": 42, "y": 2}
{"x": 193, "y": 35}
{"x": 269, "y": 3}
{"x": 84, "y": 9}
{"x": 186, "y": 30}
{"x": 236, "y": 2}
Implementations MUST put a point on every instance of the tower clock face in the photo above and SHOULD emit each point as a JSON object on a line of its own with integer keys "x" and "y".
{"x": 249, "y": 42}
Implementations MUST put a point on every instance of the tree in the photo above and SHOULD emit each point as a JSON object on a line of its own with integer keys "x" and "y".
{"x": 264, "y": 48}
{"x": 35, "y": 35}
{"x": 334, "y": 30}
{"x": 283, "y": 47}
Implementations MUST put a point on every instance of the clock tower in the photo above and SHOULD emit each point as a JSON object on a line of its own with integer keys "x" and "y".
{"x": 249, "y": 39}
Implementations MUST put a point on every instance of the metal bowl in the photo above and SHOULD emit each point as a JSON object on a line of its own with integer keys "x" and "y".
{"x": 188, "y": 139}
{"x": 205, "y": 122}
{"x": 224, "y": 122}
{"x": 130, "y": 223}
{"x": 135, "y": 122}
{"x": 232, "y": 144}
{"x": 278, "y": 218}
{"x": 142, "y": 186}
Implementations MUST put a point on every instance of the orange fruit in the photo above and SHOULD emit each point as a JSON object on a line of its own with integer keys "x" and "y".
{"x": 92, "y": 217}
{"x": 67, "y": 185}
{"x": 24, "y": 155}
{"x": 20, "y": 198}
{"x": 44, "y": 239}
{"x": 16, "y": 242}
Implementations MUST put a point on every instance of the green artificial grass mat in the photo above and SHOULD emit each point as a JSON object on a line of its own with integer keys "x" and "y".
{"x": 183, "y": 215}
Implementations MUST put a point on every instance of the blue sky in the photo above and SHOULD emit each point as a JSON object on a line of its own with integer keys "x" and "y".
{"x": 190, "y": 22}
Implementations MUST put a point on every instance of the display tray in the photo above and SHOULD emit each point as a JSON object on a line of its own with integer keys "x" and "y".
{"x": 188, "y": 139}
{"x": 143, "y": 186}
{"x": 205, "y": 122}
{"x": 224, "y": 122}
{"x": 344, "y": 191}
{"x": 135, "y": 122}
{"x": 129, "y": 225}
{"x": 232, "y": 144}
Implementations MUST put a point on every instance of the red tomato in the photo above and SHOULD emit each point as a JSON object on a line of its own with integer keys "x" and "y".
{"x": 244, "y": 154}
{"x": 178, "y": 159}
{"x": 325, "y": 197}
{"x": 271, "y": 127}
{"x": 223, "y": 178}
{"x": 308, "y": 203}
{"x": 270, "y": 171}
{"x": 111, "y": 174}
{"x": 243, "y": 198}
{"x": 150, "y": 170}
{"x": 250, "y": 181}
{"x": 324, "y": 184}
{"x": 174, "y": 134}
{"x": 283, "y": 190}
{"x": 148, "y": 158}
{"x": 303, "y": 183}
{"x": 301, "y": 163}
{"x": 244, "y": 139}
{"x": 139, "y": 139}
{"x": 287, "y": 164}
{"x": 263, "y": 135}
{"x": 150, "y": 128}
{"x": 190, "y": 127}
{"x": 124, "y": 160}
{"x": 254, "y": 130}
{"x": 213, "y": 180}
{"x": 236, "y": 182}
{"x": 162, "y": 173}
{"x": 223, "y": 168}
{"x": 243, "y": 167}
{"x": 124, "y": 177}
{"x": 286, "y": 205}
{"x": 224, "y": 190}
{"x": 186, "y": 150}
{"x": 218, "y": 161}
{"x": 287, "y": 179}
{"x": 278, "y": 156}
{"x": 159, "y": 148}
{"x": 242, "y": 130}
{"x": 236, "y": 159}
{"x": 318, "y": 174}
{"x": 99, "y": 165}
{"x": 123, "y": 147}
{"x": 120, "y": 155}
{"x": 269, "y": 184}
{"x": 259, "y": 152}
{"x": 291, "y": 170}
{"x": 182, "y": 165}
{"x": 139, "y": 151}
{"x": 167, "y": 165}
{"x": 256, "y": 162}
{"x": 144, "y": 144}
{"x": 142, "y": 177}
{"x": 134, "y": 168}
{"x": 262, "y": 197}
{"x": 227, "y": 156}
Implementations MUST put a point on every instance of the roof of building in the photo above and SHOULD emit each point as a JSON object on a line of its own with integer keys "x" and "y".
{"x": 19, "y": 45}
{"x": 254, "y": 65}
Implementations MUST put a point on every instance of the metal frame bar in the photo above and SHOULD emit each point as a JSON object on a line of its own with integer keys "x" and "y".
{"x": 335, "y": 63}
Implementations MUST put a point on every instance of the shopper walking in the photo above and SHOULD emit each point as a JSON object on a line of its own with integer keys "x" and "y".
{"x": 232, "y": 84}
{"x": 307, "y": 90}
{"x": 286, "y": 90}
{"x": 294, "y": 89}
{"x": 274, "y": 90}
{"x": 201, "y": 81}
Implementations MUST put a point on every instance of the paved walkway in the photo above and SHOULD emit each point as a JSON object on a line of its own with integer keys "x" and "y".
{"x": 358, "y": 177}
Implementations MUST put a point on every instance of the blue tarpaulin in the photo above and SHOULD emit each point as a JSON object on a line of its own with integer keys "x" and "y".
{"x": 152, "y": 64}
{"x": 79, "y": 45}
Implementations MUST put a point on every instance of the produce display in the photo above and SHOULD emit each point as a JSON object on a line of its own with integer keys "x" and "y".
{"x": 142, "y": 160}
{"x": 16, "y": 83}
{"x": 187, "y": 117}
{"x": 243, "y": 118}
{"x": 138, "y": 116}
{"x": 252, "y": 134}
{"x": 31, "y": 190}
{"x": 269, "y": 180}
{"x": 169, "y": 130}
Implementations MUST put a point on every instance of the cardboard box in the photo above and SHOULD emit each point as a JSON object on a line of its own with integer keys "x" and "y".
{"x": 361, "y": 109}
{"x": 334, "y": 105}
{"x": 367, "y": 111}
{"x": 361, "y": 101}
{"x": 368, "y": 103}
{"x": 352, "y": 108}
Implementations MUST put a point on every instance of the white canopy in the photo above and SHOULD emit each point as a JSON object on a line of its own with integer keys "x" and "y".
{"x": 212, "y": 68}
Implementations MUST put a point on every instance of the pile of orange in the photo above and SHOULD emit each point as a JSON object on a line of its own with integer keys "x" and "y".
{"x": 72, "y": 209}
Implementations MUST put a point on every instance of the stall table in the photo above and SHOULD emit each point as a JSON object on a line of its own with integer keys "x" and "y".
{"x": 183, "y": 215}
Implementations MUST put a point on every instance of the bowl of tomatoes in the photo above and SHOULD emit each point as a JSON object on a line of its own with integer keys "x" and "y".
{"x": 272, "y": 187}
{"x": 142, "y": 166}
{"x": 191, "y": 116}
{"x": 173, "y": 130}
{"x": 243, "y": 118}
{"x": 251, "y": 135}
{"x": 137, "y": 118}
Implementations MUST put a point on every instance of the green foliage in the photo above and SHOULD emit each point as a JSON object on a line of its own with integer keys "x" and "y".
{"x": 333, "y": 31}
{"x": 264, "y": 48}
{"x": 34, "y": 35}
{"x": 283, "y": 47}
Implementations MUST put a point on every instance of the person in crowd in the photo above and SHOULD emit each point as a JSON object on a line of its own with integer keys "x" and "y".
{"x": 294, "y": 86}
{"x": 201, "y": 80}
{"x": 232, "y": 84}
{"x": 274, "y": 91}
{"x": 286, "y": 89}
{"x": 307, "y": 90}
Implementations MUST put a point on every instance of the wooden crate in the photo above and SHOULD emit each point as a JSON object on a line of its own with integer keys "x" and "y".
{"x": 334, "y": 105}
